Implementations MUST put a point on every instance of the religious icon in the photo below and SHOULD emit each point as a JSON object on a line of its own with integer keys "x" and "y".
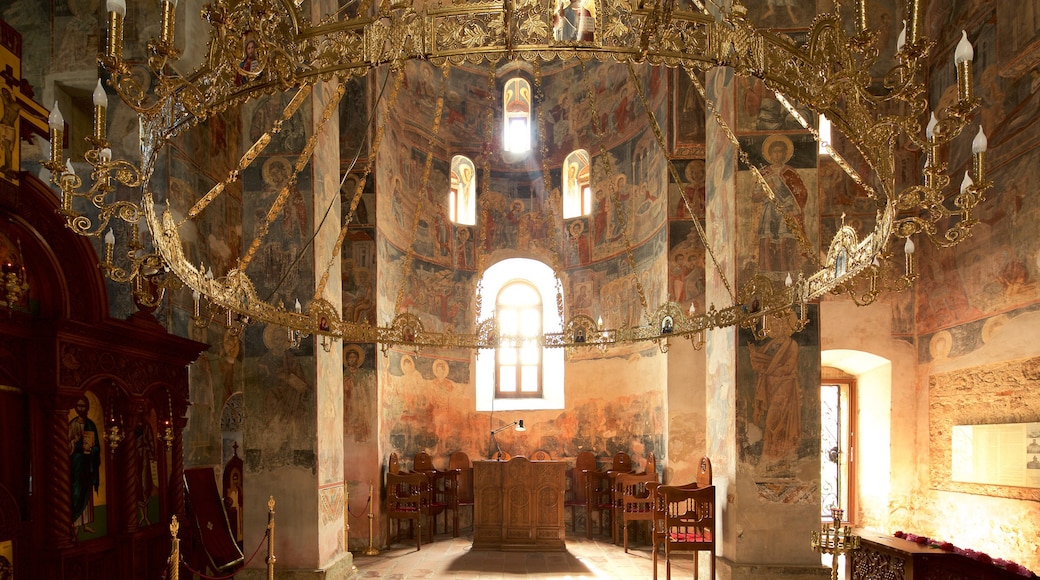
{"x": 667, "y": 325}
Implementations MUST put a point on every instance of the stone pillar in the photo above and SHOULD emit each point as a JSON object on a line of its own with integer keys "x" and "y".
{"x": 763, "y": 396}
{"x": 294, "y": 397}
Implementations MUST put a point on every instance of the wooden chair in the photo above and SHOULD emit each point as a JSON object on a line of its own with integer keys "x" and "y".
{"x": 443, "y": 492}
{"x": 575, "y": 494}
{"x": 393, "y": 465}
{"x": 459, "y": 463}
{"x": 407, "y": 498}
{"x": 651, "y": 463}
{"x": 598, "y": 499}
{"x": 599, "y": 492}
{"x": 622, "y": 463}
{"x": 541, "y": 455}
{"x": 684, "y": 521}
{"x": 704, "y": 473}
{"x": 636, "y": 491}
{"x": 422, "y": 462}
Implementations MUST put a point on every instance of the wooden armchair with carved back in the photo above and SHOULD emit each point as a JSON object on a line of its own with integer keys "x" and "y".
{"x": 636, "y": 493}
{"x": 408, "y": 499}
{"x": 575, "y": 494}
{"x": 460, "y": 463}
{"x": 684, "y": 519}
{"x": 443, "y": 491}
{"x": 600, "y": 492}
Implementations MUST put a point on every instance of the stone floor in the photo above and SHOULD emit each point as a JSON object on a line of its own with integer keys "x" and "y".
{"x": 452, "y": 558}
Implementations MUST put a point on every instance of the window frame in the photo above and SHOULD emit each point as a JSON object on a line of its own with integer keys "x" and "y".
{"x": 521, "y": 311}
{"x": 847, "y": 396}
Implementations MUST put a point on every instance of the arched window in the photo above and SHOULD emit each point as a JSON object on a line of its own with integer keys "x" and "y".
{"x": 577, "y": 186}
{"x": 462, "y": 200}
{"x": 521, "y": 374}
{"x": 516, "y": 102}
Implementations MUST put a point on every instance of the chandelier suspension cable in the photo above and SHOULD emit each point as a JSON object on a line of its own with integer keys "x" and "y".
{"x": 793, "y": 225}
{"x": 620, "y": 212}
{"x": 355, "y": 196}
{"x": 552, "y": 197}
{"x": 301, "y": 162}
{"x": 656, "y": 127}
{"x": 423, "y": 191}
{"x": 837, "y": 157}
{"x": 247, "y": 159}
{"x": 485, "y": 184}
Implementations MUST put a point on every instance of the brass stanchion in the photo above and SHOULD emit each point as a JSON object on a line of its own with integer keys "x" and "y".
{"x": 346, "y": 517}
{"x": 834, "y": 539}
{"x": 371, "y": 550}
{"x": 270, "y": 539}
{"x": 174, "y": 564}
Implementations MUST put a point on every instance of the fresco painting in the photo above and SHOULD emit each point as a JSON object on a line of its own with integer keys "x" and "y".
{"x": 688, "y": 116}
{"x": 359, "y": 392}
{"x": 781, "y": 13}
{"x": 788, "y": 165}
{"x": 758, "y": 109}
{"x": 778, "y": 417}
{"x": 282, "y": 399}
{"x": 417, "y": 385}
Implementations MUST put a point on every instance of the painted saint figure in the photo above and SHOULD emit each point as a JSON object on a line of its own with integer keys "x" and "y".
{"x": 777, "y": 241}
{"x": 84, "y": 465}
{"x": 248, "y": 63}
{"x": 777, "y": 407}
{"x": 357, "y": 393}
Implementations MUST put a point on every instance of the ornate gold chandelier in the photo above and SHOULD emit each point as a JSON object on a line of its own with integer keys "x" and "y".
{"x": 829, "y": 73}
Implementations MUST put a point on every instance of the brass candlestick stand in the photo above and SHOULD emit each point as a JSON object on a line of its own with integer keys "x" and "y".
{"x": 834, "y": 539}
{"x": 371, "y": 550}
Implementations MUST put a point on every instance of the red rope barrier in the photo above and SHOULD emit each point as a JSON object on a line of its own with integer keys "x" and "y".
{"x": 231, "y": 575}
{"x": 362, "y": 509}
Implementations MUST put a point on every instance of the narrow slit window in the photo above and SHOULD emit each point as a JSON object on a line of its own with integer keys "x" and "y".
{"x": 462, "y": 199}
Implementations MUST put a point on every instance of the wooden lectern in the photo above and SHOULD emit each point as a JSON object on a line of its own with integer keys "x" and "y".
{"x": 518, "y": 505}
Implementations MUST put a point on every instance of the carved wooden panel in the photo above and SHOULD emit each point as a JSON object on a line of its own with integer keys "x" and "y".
{"x": 883, "y": 557}
{"x": 519, "y": 504}
{"x": 1003, "y": 392}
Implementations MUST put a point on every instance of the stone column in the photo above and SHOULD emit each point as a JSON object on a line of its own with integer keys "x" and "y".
{"x": 294, "y": 397}
{"x": 763, "y": 396}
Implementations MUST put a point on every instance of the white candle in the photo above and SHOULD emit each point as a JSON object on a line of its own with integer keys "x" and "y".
{"x": 964, "y": 52}
{"x": 117, "y": 6}
{"x": 979, "y": 143}
{"x": 966, "y": 182}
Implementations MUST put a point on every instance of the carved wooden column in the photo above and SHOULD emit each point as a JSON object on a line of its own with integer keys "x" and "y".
{"x": 131, "y": 470}
{"x": 59, "y": 481}
{"x": 176, "y": 480}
